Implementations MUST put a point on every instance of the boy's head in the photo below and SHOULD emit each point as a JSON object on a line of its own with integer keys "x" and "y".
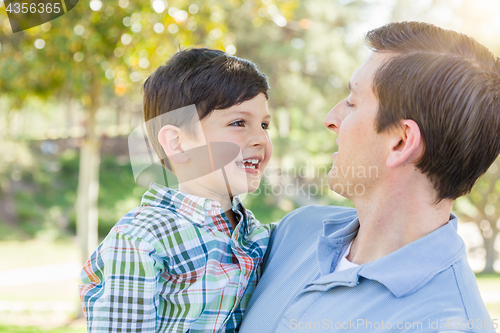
{"x": 212, "y": 81}
{"x": 209, "y": 79}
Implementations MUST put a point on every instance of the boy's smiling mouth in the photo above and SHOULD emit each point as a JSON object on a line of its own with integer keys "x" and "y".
{"x": 249, "y": 164}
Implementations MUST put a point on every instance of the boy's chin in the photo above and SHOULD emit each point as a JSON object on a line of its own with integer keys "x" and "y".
{"x": 244, "y": 188}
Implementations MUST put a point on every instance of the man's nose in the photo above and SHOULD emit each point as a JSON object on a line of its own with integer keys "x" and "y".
{"x": 333, "y": 118}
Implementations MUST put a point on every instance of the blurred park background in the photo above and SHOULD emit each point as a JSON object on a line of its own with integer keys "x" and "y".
{"x": 70, "y": 94}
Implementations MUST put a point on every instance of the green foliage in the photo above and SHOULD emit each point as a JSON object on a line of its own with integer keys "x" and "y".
{"x": 118, "y": 192}
{"x": 114, "y": 46}
{"x": 264, "y": 206}
{"x": 45, "y": 196}
{"x": 307, "y": 62}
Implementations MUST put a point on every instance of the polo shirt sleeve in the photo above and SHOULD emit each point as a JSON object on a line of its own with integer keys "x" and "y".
{"x": 119, "y": 290}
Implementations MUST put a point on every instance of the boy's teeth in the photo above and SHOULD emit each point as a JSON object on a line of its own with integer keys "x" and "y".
{"x": 253, "y": 161}
{"x": 247, "y": 166}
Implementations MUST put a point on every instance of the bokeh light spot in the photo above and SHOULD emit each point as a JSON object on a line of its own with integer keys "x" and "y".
{"x": 144, "y": 63}
{"x": 173, "y": 28}
{"x": 230, "y": 49}
{"x": 126, "y": 39}
{"x": 127, "y": 21}
{"x": 193, "y": 9}
{"x": 134, "y": 76}
{"x": 95, "y": 5}
{"x": 298, "y": 43}
{"x": 136, "y": 27}
{"x": 158, "y": 27}
{"x": 279, "y": 20}
{"x": 78, "y": 56}
{"x": 79, "y": 29}
{"x": 159, "y": 6}
{"x": 39, "y": 44}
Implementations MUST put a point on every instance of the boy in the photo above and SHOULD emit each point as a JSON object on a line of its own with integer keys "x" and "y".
{"x": 189, "y": 260}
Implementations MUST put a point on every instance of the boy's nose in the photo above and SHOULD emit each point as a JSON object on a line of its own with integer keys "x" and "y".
{"x": 259, "y": 137}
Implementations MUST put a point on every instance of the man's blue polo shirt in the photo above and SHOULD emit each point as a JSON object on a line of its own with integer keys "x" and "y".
{"x": 425, "y": 286}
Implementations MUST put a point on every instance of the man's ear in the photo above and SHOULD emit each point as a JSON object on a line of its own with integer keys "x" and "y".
{"x": 406, "y": 144}
{"x": 169, "y": 139}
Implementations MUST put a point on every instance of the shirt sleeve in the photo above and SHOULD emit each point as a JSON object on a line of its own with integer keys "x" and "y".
{"x": 119, "y": 290}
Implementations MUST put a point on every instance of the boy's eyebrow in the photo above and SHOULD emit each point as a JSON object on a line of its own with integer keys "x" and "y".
{"x": 243, "y": 111}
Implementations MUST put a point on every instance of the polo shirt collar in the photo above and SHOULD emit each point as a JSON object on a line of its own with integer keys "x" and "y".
{"x": 403, "y": 272}
{"x": 196, "y": 209}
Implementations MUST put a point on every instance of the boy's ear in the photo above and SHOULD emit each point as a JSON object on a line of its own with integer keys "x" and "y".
{"x": 406, "y": 144}
{"x": 169, "y": 139}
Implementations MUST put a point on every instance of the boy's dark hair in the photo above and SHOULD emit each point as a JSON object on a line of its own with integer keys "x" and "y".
{"x": 449, "y": 84}
{"x": 209, "y": 79}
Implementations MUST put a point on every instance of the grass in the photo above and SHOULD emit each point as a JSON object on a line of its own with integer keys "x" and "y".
{"x": 42, "y": 307}
{"x": 490, "y": 281}
{"x": 33, "y": 329}
{"x": 36, "y": 253}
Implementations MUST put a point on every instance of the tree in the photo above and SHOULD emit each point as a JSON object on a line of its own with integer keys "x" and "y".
{"x": 93, "y": 53}
{"x": 482, "y": 206}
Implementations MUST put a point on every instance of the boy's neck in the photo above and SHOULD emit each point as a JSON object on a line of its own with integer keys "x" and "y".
{"x": 226, "y": 202}
{"x": 232, "y": 218}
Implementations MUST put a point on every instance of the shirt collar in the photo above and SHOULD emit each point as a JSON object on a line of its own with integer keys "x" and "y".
{"x": 192, "y": 207}
{"x": 404, "y": 271}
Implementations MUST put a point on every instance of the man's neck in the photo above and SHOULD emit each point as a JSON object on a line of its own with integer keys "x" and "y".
{"x": 403, "y": 215}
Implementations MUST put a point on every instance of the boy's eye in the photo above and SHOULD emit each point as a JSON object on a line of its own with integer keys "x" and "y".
{"x": 349, "y": 105}
{"x": 238, "y": 123}
{"x": 265, "y": 126}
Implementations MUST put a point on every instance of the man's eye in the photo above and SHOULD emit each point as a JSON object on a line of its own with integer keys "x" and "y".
{"x": 238, "y": 123}
{"x": 265, "y": 126}
{"x": 349, "y": 105}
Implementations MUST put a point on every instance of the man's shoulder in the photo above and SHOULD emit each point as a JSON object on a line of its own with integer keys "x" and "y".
{"x": 305, "y": 224}
{"x": 314, "y": 215}
{"x": 465, "y": 283}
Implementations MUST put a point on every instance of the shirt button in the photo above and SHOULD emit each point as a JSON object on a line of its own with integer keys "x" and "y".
{"x": 207, "y": 205}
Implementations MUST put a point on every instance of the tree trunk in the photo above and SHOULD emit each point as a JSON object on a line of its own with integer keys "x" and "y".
{"x": 491, "y": 253}
{"x": 88, "y": 179}
{"x": 88, "y": 190}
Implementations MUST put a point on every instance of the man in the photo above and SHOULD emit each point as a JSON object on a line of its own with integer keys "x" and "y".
{"x": 421, "y": 124}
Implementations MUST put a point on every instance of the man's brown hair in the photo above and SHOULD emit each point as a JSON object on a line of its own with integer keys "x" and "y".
{"x": 209, "y": 79}
{"x": 449, "y": 84}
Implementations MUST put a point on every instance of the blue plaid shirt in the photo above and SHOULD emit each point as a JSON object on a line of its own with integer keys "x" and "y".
{"x": 174, "y": 265}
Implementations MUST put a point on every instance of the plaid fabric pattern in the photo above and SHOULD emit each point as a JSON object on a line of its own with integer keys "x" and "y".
{"x": 174, "y": 265}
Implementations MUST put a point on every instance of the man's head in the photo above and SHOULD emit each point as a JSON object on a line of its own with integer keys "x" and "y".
{"x": 446, "y": 84}
{"x": 210, "y": 79}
